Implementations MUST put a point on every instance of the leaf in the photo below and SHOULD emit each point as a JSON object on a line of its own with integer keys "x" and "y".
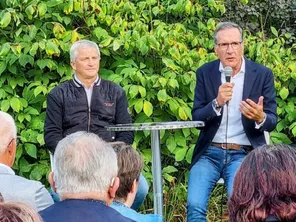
{"x": 142, "y": 91}
{"x": 30, "y": 11}
{"x": 169, "y": 169}
{"x": 284, "y": 92}
{"x": 133, "y": 91}
{"x": 148, "y": 108}
{"x": 42, "y": 9}
{"x": 31, "y": 150}
{"x": 182, "y": 113}
{"x": 2, "y": 66}
{"x": 5, "y": 105}
{"x": 33, "y": 49}
{"x": 5, "y": 20}
{"x": 116, "y": 45}
{"x": 15, "y": 104}
{"x": 162, "y": 95}
{"x": 52, "y": 48}
{"x": 274, "y": 31}
{"x": 180, "y": 154}
{"x": 24, "y": 59}
{"x": 280, "y": 137}
{"x": 171, "y": 144}
{"x": 138, "y": 106}
{"x": 189, "y": 154}
{"x": 5, "y": 49}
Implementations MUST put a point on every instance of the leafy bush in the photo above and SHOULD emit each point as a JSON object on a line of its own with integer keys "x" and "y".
{"x": 151, "y": 48}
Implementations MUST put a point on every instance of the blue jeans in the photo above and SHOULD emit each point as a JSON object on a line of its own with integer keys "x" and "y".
{"x": 213, "y": 164}
{"x": 140, "y": 195}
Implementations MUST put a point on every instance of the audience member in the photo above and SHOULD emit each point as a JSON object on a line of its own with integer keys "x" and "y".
{"x": 12, "y": 187}
{"x": 265, "y": 186}
{"x": 130, "y": 165}
{"x": 17, "y": 212}
{"x": 85, "y": 178}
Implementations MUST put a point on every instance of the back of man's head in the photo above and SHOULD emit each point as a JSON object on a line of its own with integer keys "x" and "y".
{"x": 8, "y": 134}
{"x": 130, "y": 166}
{"x": 84, "y": 163}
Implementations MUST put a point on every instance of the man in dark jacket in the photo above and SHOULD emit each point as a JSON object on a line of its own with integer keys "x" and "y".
{"x": 87, "y": 102}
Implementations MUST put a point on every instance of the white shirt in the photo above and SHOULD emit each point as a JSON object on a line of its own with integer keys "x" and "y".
{"x": 89, "y": 90}
{"x": 235, "y": 133}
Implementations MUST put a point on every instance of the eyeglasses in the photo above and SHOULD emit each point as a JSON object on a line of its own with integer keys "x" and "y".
{"x": 17, "y": 139}
{"x": 234, "y": 45}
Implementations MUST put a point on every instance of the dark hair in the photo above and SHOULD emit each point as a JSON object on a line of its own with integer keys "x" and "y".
{"x": 130, "y": 165}
{"x": 18, "y": 212}
{"x": 264, "y": 185}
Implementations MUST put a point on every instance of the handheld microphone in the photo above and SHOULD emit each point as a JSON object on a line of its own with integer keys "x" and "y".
{"x": 228, "y": 73}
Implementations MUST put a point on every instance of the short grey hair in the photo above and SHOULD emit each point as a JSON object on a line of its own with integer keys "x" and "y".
{"x": 82, "y": 44}
{"x": 8, "y": 130}
{"x": 83, "y": 162}
{"x": 227, "y": 25}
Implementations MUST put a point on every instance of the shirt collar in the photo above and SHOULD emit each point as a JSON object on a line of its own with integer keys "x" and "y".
{"x": 6, "y": 169}
{"x": 242, "y": 69}
{"x": 78, "y": 83}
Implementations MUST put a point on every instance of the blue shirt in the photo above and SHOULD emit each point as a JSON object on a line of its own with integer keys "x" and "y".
{"x": 132, "y": 214}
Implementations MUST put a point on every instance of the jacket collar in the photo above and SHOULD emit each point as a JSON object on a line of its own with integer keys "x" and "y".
{"x": 250, "y": 77}
{"x": 78, "y": 83}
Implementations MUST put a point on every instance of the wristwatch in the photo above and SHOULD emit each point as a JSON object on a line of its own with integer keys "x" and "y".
{"x": 215, "y": 104}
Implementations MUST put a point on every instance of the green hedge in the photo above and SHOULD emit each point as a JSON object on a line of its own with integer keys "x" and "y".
{"x": 151, "y": 48}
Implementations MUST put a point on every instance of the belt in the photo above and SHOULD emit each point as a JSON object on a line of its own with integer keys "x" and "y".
{"x": 232, "y": 146}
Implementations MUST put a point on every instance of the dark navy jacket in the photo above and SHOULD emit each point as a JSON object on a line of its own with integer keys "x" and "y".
{"x": 68, "y": 112}
{"x": 258, "y": 82}
{"x": 80, "y": 211}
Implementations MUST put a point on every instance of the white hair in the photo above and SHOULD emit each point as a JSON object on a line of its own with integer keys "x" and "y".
{"x": 84, "y": 163}
{"x": 82, "y": 44}
{"x": 7, "y": 130}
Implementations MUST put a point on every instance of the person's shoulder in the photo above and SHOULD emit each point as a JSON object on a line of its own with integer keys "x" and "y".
{"x": 109, "y": 83}
{"x": 210, "y": 65}
{"x": 257, "y": 66}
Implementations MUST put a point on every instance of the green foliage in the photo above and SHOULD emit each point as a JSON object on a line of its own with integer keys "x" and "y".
{"x": 151, "y": 48}
{"x": 257, "y": 15}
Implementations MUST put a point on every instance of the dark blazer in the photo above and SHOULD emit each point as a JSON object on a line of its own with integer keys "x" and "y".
{"x": 258, "y": 82}
{"x": 81, "y": 210}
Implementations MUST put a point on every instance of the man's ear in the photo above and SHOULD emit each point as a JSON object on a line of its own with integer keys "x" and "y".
{"x": 11, "y": 151}
{"x": 51, "y": 181}
{"x": 73, "y": 65}
{"x": 113, "y": 187}
{"x": 134, "y": 187}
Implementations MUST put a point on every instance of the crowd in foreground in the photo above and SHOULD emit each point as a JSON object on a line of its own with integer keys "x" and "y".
{"x": 97, "y": 181}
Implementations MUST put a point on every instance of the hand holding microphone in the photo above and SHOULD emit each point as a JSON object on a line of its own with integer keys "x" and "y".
{"x": 226, "y": 89}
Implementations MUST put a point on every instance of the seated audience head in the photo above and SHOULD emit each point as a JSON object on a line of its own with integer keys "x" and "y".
{"x": 130, "y": 166}
{"x": 265, "y": 185}
{"x": 17, "y": 212}
{"x": 8, "y": 135}
{"x": 85, "y": 167}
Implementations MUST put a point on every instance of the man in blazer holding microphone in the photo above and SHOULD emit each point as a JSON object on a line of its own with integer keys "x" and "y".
{"x": 236, "y": 114}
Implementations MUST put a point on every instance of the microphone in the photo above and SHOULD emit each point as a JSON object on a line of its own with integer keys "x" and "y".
{"x": 228, "y": 73}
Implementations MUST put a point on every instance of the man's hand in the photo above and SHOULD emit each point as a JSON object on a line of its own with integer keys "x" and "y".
{"x": 251, "y": 110}
{"x": 225, "y": 93}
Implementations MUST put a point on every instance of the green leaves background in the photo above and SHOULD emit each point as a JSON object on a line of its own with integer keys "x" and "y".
{"x": 151, "y": 48}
